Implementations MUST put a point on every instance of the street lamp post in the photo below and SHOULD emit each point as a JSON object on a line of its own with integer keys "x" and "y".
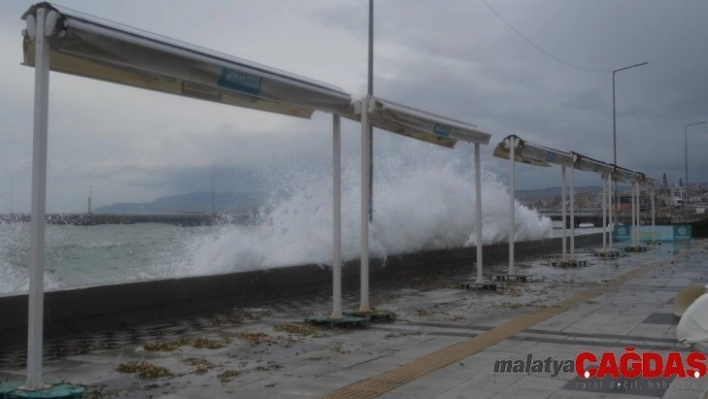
{"x": 370, "y": 92}
{"x": 614, "y": 122}
{"x": 12, "y": 197}
{"x": 213, "y": 191}
{"x": 685, "y": 171}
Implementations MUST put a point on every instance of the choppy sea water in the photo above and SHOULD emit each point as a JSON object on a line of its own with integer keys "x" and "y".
{"x": 416, "y": 208}
{"x": 93, "y": 255}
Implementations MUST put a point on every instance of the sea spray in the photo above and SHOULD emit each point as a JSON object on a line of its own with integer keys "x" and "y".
{"x": 423, "y": 199}
{"x": 417, "y": 206}
{"x": 14, "y": 259}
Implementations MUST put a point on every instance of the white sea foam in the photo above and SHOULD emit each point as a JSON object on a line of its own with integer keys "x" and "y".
{"x": 421, "y": 205}
{"x": 14, "y": 255}
{"x": 422, "y": 200}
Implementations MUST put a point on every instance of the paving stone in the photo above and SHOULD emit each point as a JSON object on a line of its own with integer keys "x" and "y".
{"x": 491, "y": 382}
{"x": 428, "y": 387}
{"x": 315, "y": 366}
{"x": 172, "y": 396}
{"x": 612, "y": 329}
{"x": 504, "y": 395}
{"x": 463, "y": 371}
{"x": 535, "y": 386}
{"x": 464, "y": 393}
{"x": 377, "y": 365}
{"x": 675, "y": 393}
{"x": 661, "y": 318}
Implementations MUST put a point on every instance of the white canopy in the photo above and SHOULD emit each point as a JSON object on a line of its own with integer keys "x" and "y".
{"x": 67, "y": 41}
{"x": 588, "y": 164}
{"x": 531, "y": 153}
{"x": 418, "y": 124}
{"x": 515, "y": 150}
{"x": 647, "y": 181}
{"x": 624, "y": 175}
{"x": 91, "y": 47}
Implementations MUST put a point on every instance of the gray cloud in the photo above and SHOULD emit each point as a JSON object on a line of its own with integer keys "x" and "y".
{"x": 454, "y": 57}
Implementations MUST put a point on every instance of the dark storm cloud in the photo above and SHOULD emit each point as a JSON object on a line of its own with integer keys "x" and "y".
{"x": 453, "y": 57}
{"x": 504, "y": 84}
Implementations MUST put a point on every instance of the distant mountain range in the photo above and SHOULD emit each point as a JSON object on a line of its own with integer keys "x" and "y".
{"x": 196, "y": 202}
{"x": 535, "y": 194}
{"x": 201, "y": 202}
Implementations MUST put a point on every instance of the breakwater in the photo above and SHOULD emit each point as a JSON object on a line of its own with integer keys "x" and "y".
{"x": 85, "y": 219}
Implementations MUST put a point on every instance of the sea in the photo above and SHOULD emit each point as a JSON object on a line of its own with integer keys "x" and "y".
{"x": 415, "y": 208}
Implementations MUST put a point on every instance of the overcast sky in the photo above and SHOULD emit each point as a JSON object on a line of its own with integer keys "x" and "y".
{"x": 452, "y": 57}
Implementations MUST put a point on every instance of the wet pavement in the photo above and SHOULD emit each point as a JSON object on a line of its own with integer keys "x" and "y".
{"x": 444, "y": 344}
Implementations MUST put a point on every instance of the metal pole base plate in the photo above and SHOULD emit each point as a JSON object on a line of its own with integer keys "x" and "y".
{"x": 373, "y": 316}
{"x": 486, "y": 286}
{"x": 342, "y": 322}
{"x": 608, "y": 254}
{"x": 637, "y": 248}
{"x": 569, "y": 263}
{"x": 11, "y": 390}
{"x": 511, "y": 277}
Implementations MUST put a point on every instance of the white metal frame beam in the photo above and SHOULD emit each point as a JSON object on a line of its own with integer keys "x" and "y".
{"x": 44, "y": 24}
{"x": 417, "y": 124}
{"x": 39, "y": 205}
{"x": 515, "y": 150}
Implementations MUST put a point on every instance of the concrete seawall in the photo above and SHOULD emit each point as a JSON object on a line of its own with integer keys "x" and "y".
{"x": 116, "y": 306}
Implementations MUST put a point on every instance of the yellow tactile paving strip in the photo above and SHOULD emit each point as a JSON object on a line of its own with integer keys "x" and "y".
{"x": 378, "y": 385}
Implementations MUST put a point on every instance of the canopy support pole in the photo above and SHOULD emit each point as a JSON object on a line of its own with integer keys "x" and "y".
{"x": 365, "y": 209}
{"x": 370, "y": 91}
{"x": 512, "y": 193}
{"x": 653, "y": 218}
{"x": 39, "y": 206}
{"x": 639, "y": 210}
{"x": 572, "y": 212}
{"x": 612, "y": 226}
{"x": 634, "y": 210}
{"x": 604, "y": 215}
{"x": 337, "y": 216}
{"x": 478, "y": 210}
{"x": 565, "y": 234}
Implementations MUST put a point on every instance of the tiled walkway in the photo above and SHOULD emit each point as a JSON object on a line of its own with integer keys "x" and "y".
{"x": 444, "y": 344}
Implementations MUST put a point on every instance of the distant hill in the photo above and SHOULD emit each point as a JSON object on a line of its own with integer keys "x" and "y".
{"x": 536, "y": 194}
{"x": 196, "y": 202}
